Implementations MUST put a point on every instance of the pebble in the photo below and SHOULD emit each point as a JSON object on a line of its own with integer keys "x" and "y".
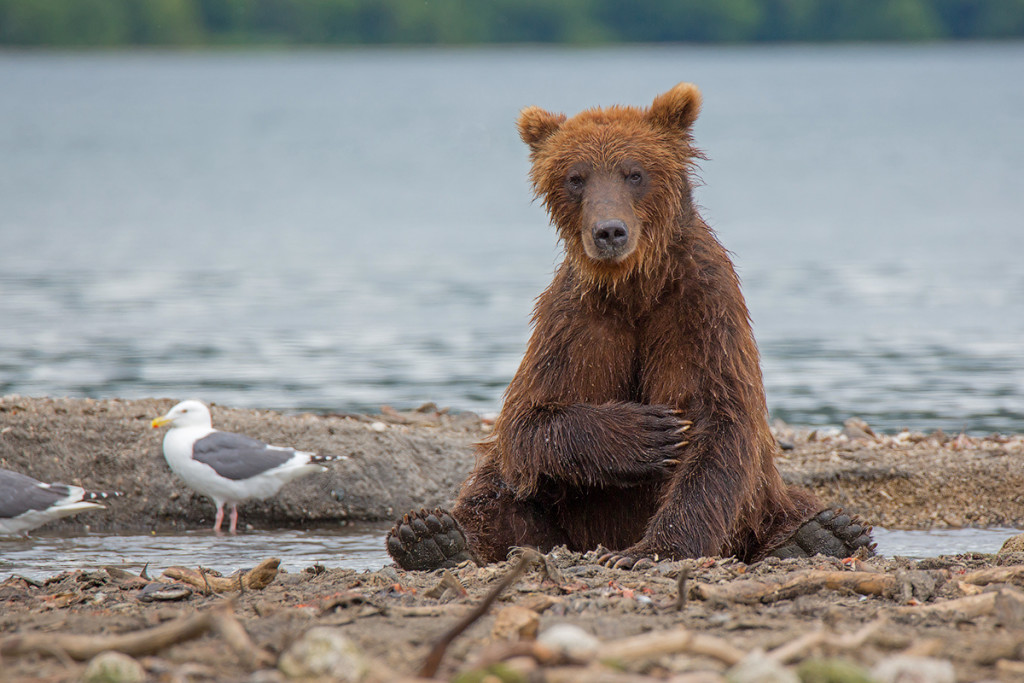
{"x": 757, "y": 667}
{"x": 378, "y": 426}
{"x": 164, "y": 592}
{"x": 906, "y": 669}
{"x": 515, "y": 623}
{"x": 856, "y": 429}
{"x": 1014, "y": 544}
{"x": 113, "y": 667}
{"x": 832, "y": 670}
{"x": 324, "y": 652}
{"x": 570, "y": 640}
{"x": 389, "y": 573}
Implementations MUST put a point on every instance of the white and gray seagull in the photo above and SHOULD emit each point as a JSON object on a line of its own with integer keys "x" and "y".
{"x": 26, "y": 503}
{"x": 229, "y": 468}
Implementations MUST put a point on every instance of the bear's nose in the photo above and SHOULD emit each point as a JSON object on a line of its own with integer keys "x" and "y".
{"x": 610, "y": 235}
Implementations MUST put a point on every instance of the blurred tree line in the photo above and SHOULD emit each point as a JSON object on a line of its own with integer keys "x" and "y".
{"x": 453, "y": 22}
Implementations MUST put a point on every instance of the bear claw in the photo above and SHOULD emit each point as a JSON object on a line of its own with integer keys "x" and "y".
{"x": 427, "y": 540}
{"x": 830, "y": 532}
{"x": 617, "y": 561}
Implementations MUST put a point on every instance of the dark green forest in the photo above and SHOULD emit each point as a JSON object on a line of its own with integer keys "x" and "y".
{"x": 101, "y": 23}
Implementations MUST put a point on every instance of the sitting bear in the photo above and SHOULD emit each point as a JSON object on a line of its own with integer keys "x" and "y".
{"x": 637, "y": 419}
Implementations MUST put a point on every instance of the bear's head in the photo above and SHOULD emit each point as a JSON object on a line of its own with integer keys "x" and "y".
{"x": 615, "y": 180}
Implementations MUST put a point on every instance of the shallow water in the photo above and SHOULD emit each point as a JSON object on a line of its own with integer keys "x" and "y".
{"x": 935, "y": 542}
{"x": 355, "y": 547}
{"x": 335, "y": 230}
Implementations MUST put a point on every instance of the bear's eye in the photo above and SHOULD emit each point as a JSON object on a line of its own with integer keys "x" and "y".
{"x": 575, "y": 182}
{"x": 635, "y": 178}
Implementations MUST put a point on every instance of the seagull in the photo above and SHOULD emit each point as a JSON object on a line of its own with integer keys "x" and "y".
{"x": 229, "y": 468}
{"x": 26, "y": 503}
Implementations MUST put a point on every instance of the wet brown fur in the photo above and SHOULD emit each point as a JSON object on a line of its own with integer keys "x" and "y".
{"x": 621, "y": 350}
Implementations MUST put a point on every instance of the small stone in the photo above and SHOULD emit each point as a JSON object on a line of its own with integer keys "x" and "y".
{"x": 113, "y": 667}
{"x": 697, "y": 677}
{"x": 570, "y": 640}
{"x": 378, "y": 426}
{"x": 905, "y": 669}
{"x": 389, "y": 574}
{"x": 856, "y": 429}
{"x": 515, "y": 623}
{"x": 324, "y": 652}
{"x": 757, "y": 667}
{"x": 267, "y": 676}
{"x": 1014, "y": 544}
{"x": 832, "y": 670}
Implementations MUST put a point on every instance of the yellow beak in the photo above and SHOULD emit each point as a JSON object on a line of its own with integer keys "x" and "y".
{"x": 160, "y": 422}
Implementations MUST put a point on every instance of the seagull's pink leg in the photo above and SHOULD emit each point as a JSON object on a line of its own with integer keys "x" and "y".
{"x": 234, "y": 518}
{"x": 220, "y": 517}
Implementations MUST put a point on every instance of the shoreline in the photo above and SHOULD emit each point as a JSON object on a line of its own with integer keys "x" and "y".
{"x": 399, "y": 461}
{"x": 950, "y": 618}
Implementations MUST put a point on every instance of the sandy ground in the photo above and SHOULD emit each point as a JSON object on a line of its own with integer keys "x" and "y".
{"x": 957, "y": 618}
{"x": 950, "y": 618}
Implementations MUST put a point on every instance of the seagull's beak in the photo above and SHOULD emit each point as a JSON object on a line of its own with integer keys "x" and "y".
{"x": 160, "y": 421}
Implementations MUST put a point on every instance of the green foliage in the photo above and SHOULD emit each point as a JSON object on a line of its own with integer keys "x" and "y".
{"x": 456, "y": 22}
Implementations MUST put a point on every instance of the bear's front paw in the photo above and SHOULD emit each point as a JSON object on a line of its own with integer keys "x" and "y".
{"x": 664, "y": 436}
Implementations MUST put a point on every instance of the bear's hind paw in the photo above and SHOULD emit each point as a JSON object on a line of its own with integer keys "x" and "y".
{"x": 830, "y": 532}
{"x": 427, "y": 540}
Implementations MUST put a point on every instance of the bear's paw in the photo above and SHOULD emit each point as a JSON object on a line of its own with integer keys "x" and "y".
{"x": 428, "y": 540}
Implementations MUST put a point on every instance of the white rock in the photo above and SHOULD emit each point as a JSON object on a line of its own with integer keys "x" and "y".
{"x": 378, "y": 426}
{"x": 905, "y": 669}
{"x": 324, "y": 652}
{"x": 113, "y": 667}
{"x": 757, "y": 667}
{"x": 570, "y": 640}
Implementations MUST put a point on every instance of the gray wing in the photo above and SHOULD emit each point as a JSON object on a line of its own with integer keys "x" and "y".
{"x": 20, "y": 493}
{"x": 235, "y": 456}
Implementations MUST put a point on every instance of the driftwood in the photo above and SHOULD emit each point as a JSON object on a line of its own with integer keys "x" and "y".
{"x": 83, "y": 647}
{"x": 797, "y": 649}
{"x": 257, "y": 578}
{"x": 448, "y": 583}
{"x": 234, "y": 634}
{"x": 983, "y": 577}
{"x": 433, "y": 660}
{"x": 968, "y": 607}
{"x": 144, "y": 642}
{"x": 750, "y": 591}
{"x": 618, "y": 652}
{"x": 662, "y": 643}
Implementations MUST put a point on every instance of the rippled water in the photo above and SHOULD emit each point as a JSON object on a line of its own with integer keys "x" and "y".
{"x": 339, "y": 230}
{"x": 935, "y": 542}
{"x": 357, "y": 547}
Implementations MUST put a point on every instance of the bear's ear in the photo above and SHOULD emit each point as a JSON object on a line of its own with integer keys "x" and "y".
{"x": 677, "y": 109}
{"x": 536, "y": 125}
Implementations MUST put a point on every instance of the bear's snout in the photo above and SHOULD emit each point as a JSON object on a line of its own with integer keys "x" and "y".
{"x": 610, "y": 237}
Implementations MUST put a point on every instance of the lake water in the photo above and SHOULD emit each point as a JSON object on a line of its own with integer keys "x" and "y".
{"x": 336, "y": 230}
{"x": 357, "y": 547}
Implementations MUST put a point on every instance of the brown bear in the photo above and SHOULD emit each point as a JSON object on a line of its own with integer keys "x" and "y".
{"x": 637, "y": 419}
